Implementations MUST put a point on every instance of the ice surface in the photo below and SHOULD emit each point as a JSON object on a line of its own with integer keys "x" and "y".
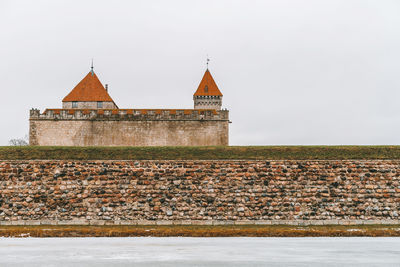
{"x": 185, "y": 251}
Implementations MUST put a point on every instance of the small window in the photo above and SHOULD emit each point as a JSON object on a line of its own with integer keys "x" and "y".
{"x": 99, "y": 104}
{"x": 74, "y": 104}
{"x": 206, "y": 89}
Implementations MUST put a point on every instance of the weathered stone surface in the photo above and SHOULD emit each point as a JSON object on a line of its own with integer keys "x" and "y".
{"x": 148, "y": 128}
{"x": 199, "y": 192}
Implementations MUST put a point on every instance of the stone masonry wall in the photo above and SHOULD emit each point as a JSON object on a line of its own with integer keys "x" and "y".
{"x": 128, "y": 133}
{"x": 129, "y": 128}
{"x": 89, "y": 105}
{"x": 131, "y": 192}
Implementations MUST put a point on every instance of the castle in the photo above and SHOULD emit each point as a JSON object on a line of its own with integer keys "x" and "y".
{"x": 90, "y": 117}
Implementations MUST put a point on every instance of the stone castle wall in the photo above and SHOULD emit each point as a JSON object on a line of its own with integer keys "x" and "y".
{"x": 89, "y": 105}
{"x": 129, "y": 128}
{"x": 188, "y": 192}
{"x": 207, "y": 102}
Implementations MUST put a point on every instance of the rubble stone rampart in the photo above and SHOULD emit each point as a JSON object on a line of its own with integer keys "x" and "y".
{"x": 199, "y": 192}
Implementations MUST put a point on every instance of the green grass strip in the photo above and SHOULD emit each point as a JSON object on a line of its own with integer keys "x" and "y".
{"x": 201, "y": 153}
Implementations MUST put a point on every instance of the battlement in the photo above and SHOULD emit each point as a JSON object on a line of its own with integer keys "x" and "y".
{"x": 131, "y": 114}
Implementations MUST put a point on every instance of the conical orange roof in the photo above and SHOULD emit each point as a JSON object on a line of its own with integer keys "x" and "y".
{"x": 208, "y": 86}
{"x": 89, "y": 89}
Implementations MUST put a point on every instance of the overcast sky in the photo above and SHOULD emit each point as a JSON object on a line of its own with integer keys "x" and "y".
{"x": 292, "y": 72}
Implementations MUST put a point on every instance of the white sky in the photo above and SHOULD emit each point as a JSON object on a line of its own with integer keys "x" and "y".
{"x": 292, "y": 72}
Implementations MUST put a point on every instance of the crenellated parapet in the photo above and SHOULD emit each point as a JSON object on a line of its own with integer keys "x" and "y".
{"x": 131, "y": 114}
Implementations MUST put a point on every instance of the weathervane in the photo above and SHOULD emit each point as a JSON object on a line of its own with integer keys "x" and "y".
{"x": 92, "y": 68}
{"x": 208, "y": 60}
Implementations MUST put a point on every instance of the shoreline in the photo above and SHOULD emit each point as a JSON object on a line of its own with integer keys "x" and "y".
{"x": 200, "y": 231}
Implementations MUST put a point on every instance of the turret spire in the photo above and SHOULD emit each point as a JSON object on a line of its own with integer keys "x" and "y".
{"x": 92, "y": 68}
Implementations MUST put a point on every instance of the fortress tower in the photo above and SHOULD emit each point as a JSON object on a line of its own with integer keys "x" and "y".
{"x": 207, "y": 96}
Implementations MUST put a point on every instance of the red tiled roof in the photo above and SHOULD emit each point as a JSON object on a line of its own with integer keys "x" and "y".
{"x": 89, "y": 89}
{"x": 207, "y": 86}
{"x": 129, "y": 111}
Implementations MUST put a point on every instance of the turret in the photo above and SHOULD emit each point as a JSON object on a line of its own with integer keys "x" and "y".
{"x": 207, "y": 95}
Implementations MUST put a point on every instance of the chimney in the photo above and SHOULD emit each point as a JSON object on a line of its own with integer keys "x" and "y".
{"x": 107, "y": 88}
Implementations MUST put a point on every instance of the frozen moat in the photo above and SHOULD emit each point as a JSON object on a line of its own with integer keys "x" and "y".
{"x": 185, "y": 251}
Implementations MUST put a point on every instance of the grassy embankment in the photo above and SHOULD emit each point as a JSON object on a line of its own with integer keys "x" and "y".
{"x": 201, "y": 153}
{"x": 199, "y": 231}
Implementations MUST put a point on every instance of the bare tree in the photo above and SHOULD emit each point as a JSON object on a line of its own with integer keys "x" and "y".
{"x": 19, "y": 141}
